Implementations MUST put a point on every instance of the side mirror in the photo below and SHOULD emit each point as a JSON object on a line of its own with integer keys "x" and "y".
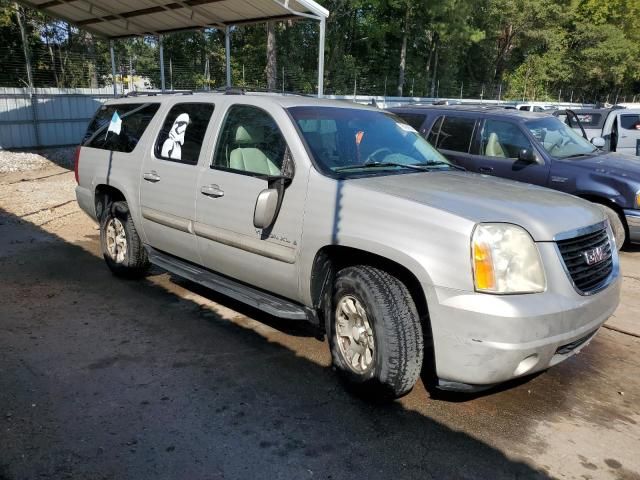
{"x": 598, "y": 142}
{"x": 527, "y": 155}
{"x": 266, "y": 208}
{"x": 269, "y": 200}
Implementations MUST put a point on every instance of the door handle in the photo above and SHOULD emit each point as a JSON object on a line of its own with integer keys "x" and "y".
{"x": 212, "y": 191}
{"x": 487, "y": 170}
{"x": 151, "y": 176}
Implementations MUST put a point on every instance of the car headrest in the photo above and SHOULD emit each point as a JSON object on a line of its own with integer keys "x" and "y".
{"x": 249, "y": 134}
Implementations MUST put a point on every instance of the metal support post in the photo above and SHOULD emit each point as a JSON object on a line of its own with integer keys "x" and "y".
{"x": 227, "y": 52}
{"x": 162, "y": 83}
{"x": 113, "y": 68}
{"x": 321, "y": 58}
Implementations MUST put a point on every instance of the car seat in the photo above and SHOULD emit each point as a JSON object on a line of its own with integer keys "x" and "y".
{"x": 247, "y": 154}
{"x": 494, "y": 148}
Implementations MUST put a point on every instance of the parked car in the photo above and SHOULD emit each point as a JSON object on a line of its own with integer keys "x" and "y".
{"x": 533, "y": 107}
{"x": 539, "y": 149}
{"x": 342, "y": 215}
{"x": 619, "y": 128}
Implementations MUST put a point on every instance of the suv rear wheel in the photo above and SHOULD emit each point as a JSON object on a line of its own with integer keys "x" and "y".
{"x": 375, "y": 333}
{"x": 121, "y": 246}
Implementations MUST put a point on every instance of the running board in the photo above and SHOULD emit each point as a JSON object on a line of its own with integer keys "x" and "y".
{"x": 267, "y": 302}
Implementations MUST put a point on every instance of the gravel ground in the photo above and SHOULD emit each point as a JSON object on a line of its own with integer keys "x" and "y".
{"x": 23, "y": 161}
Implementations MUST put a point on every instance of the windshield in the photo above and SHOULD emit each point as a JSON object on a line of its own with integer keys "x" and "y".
{"x": 558, "y": 139}
{"x": 351, "y": 141}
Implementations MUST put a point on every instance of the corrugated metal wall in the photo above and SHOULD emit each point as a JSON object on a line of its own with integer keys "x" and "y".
{"x": 48, "y": 117}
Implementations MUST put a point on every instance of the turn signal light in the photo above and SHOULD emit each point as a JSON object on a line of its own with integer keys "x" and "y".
{"x": 483, "y": 267}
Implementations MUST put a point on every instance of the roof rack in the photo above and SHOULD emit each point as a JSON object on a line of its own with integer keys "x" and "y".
{"x": 237, "y": 90}
{"x": 151, "y": 93}
{"x": 232, "y": 90}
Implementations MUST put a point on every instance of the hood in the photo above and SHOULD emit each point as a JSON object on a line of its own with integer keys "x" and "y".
{"x": 542, "y": 212}
{"x": 615, "y": 164}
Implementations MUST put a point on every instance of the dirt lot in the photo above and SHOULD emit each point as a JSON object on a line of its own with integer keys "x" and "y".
{"x": 102, "y": 378}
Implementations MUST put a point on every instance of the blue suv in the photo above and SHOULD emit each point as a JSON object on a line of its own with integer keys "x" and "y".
{"x": 535, "y": 148}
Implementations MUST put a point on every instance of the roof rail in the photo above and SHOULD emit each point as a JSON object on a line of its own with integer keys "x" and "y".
{"x": 237, "y": 90}
{"x": 233, "y": 91}
{"x": 151, "y": 93}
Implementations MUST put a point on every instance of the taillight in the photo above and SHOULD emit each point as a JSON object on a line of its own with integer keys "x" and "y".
{"x": 76, "y": 163}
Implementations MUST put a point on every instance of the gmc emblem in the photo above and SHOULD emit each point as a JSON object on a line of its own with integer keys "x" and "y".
{"x": 596, "y": 255}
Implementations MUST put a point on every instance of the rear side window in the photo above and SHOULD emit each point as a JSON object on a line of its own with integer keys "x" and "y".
{"x": 182, "y": 133}
{"x": 119, "y": 127}
{"x": 414, "y": 119}
{"x": 455, "y": 134}
{"x": 630, "y": 122}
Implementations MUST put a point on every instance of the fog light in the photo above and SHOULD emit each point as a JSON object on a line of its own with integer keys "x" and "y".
{"x": 526, "y": 365}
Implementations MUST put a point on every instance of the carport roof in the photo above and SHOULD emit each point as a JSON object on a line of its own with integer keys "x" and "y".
{"x": 122, "y": 18}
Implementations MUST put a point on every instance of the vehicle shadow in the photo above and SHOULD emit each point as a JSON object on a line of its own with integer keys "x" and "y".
{"x": 108, "y": 378}
{"x": 631, "y": 248}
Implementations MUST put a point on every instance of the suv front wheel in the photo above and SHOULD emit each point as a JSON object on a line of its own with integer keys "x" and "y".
{"x": 375, "y": 333}
{"x": 121, "y": 246}
{"x": 617, "y": 227}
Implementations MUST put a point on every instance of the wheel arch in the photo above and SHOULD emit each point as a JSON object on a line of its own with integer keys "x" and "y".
{"x": 331, "y": 258}
{"x": 607, "y": 202}
{"x": 103, "y": 193}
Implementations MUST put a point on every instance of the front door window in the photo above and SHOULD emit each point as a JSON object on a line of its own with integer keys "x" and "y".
{"x": 502, "y": 140}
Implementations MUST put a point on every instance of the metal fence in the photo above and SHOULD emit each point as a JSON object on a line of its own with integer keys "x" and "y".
{"x": 45, "y": 117}
{"x": 49, "y": 117}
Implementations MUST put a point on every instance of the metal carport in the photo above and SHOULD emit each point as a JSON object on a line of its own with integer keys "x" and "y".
{"x": 113, "y": 19}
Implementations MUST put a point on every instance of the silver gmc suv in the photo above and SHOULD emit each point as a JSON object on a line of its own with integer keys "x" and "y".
{"x": 343, "y": 216}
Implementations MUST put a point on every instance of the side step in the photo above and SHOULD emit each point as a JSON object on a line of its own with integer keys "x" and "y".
{"x": 267, "y": 302}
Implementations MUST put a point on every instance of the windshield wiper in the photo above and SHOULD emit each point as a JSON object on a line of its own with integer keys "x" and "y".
{"x": 376, "y": 164}
{"x": 440, "y": 162}
{"x": 576, "y": 155}
{"x": 422, "y": 167}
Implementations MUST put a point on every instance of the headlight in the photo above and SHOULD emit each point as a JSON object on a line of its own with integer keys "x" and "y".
{"x": 505, "y": 260}
{"x": 638, "y": 200}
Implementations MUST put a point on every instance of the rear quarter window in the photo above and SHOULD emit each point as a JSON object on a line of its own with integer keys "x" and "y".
{"x": 119, "y": 127}
{"x": 414, "y": 119}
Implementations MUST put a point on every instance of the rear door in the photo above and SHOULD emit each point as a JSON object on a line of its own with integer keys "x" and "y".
{"x": 169, "y": 176}
{"x": 499, "y": 145}
{"x": 251, "y": 148}
{"x": 628, "y": 133}
{"x": 453, "y": 135}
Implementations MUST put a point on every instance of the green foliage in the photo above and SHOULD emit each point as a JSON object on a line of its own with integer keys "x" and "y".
{"x": 532, "y": 49}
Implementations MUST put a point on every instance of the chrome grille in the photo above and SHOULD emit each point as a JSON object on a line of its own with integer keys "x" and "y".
{"x": 587, "y": 278}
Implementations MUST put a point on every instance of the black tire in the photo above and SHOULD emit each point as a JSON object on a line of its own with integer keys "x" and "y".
{"x": 617, "y": 226}
{"x": 397, "y": 333}
{"x": 135, "y": 263}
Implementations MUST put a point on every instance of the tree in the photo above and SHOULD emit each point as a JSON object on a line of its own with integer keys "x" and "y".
{"x": 272, "y": 64}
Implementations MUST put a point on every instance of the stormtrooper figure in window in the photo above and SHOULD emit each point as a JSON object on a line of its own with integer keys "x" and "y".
{"x": 172, "y": 146}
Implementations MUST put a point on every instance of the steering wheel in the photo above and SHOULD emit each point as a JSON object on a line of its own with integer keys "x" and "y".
{"x": 372, "y": 157}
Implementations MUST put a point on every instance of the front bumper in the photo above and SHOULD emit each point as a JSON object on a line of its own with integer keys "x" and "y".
{"x": 633, "y": 222}
{"x": 482, "y": 339}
